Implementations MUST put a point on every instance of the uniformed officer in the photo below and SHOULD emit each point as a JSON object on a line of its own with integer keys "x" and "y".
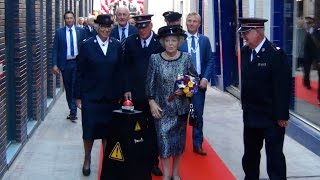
{"x": 172, "y": 18}
{"x": 138, "y": 49}
{"x": 98, "y": 85}
{"x": 265, "y": 100}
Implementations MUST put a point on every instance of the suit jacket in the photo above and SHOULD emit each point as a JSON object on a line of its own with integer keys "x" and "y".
{"x": 115, "y": 33}
{"x": 265, "y": 86}
{"x": 206, "y": 56}
{"x": 89, "y": 33}
{"x": 312, "y": 46}
{"x": 99, "y": 76}
{"x": 59, "y": 49}
{"x": 136, "y": 64}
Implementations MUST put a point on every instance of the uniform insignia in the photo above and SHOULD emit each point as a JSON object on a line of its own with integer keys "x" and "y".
{"x": 262, "y": 64}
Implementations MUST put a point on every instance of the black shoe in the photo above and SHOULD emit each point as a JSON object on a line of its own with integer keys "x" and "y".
{"x": 199, "y": 151}
{"x": 86, "y": 172}
{"x": 156, "y": 171}
{"x": 72, "y": 117}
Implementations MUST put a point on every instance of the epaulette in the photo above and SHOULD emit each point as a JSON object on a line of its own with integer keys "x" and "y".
{"x": 85, "y": 40}
{"x": 115, "y": 39}
{"x": 274, "y": 46}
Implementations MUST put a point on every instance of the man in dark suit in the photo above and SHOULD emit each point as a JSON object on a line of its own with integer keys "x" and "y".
{"x": 138, "y": 49}
{"x": 123, "y": 29}
{"x": 90, "y": 28}
{"x": 199, "y": 47}
{"x": 66, "y": 45}
{"x": 265, "y": 92}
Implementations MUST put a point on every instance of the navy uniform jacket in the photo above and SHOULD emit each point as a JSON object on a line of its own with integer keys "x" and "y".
{"x": 99, "y": 76}
{"x": 59, "y": 49}
{"x": 89, "y": 33}
{"x": 265, "y": 88}
{"x": 115, "y": 33}
{"x": 136, "y": 64}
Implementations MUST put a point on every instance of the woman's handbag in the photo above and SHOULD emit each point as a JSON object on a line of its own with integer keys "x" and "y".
{"x": 192, "y": 117}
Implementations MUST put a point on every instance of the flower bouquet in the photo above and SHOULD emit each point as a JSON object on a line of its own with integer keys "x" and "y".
{"x": 188, "y": 84}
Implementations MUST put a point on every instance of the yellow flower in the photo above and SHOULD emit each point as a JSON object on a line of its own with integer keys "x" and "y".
{"x": 190, "y": 84}
{"x": 186, "y": 90}
{"x": 189, "y": 94}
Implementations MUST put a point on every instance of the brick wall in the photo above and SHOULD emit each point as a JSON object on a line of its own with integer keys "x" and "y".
{"x": 3, "y": 125}
{"x": 50, "y": 23}
{"x": 20, "y": 61}
{"x": 36, "y": 61}
{"x": 259, "y": 10}
{"x": 43, "y": 48}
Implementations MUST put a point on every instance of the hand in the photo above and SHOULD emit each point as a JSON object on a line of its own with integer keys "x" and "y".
{"x": 178, "y": 92}
{"x": 155, "y": 109}
{"x": 127, "y": 96}
{"x": 78, "y": 103}
{"x": 283, "y": 123}
{"x": 203, "y": 83}
{"x": 55, "y": 70}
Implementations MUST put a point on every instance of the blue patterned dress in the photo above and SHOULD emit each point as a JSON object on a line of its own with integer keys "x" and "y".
{"x": 160, "y": 84}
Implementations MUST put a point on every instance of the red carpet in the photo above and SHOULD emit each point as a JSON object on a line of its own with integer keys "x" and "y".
{"x": 194, "y": 167}
{"x": 307, "y": 95}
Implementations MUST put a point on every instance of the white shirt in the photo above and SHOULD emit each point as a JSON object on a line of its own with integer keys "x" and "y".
{"x": 126, "y": 31}
{"x": 197, "y": 49}
{"x": 103, "y": 45}
{"x": 257, "y": 49}
{"x": 75, "y": 44}
{"x": 147, "y": 40}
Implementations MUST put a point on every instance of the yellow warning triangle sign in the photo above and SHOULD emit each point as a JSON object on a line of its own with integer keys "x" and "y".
{"x": 137, "y": 127}
{"x": 116, "y": 153}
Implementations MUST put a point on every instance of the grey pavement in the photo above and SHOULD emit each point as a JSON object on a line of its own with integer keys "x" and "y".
{"x": 55, "y": 149}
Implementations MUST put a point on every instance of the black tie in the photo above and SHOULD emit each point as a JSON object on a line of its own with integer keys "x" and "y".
{"x": 144, "y": 43}
{"x": 254, "y": 55}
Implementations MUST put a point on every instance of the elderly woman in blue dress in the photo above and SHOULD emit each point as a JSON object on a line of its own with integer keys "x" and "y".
{"x": 170, "y": 116}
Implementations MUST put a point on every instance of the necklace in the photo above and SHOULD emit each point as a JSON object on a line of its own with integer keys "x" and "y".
{"x": 171, "y": 57}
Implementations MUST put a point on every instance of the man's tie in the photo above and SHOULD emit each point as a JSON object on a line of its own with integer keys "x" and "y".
{"x": 193, "y": 52}
{"x": 123, "y": 38}
{"x": 144, "y": 43}
{"x": 71, "y": 42}
{"x": 253, "y": 54}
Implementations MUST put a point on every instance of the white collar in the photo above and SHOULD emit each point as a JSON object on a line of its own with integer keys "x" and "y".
{"x": 72, "y": 27}
{"x": 257, "y": 49}
{"x": 189, "y": 34}
{"x": 148, "y": 39}
{"x": 101, "y": 42}
{"x": 120, "y": 27}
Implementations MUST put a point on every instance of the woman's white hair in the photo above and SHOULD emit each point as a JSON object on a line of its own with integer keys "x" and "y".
{"x": 180, "y": 39}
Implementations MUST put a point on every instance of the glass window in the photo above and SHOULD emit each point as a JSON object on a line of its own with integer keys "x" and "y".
{"x": 306, "y": 60}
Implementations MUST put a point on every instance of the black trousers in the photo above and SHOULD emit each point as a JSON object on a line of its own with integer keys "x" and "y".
{"x": 145, "y": 108}
{"x": 253, "y": 142}
{"x": 306, "y": 72}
